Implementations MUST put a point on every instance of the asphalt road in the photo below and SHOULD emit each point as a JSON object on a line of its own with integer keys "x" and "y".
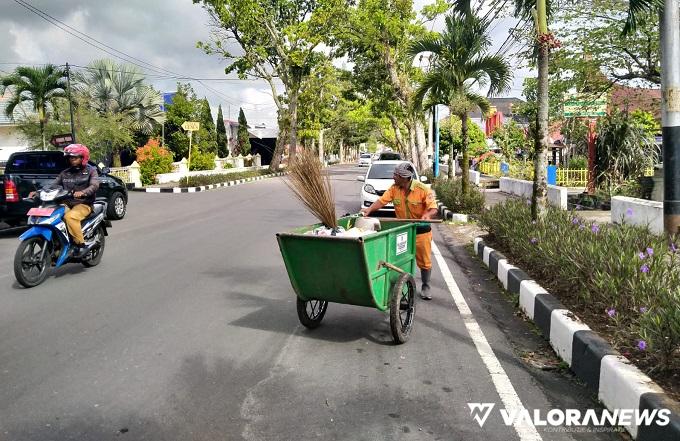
{"x": 187, "y": 330}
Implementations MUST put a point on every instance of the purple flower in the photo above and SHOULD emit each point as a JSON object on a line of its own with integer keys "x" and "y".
{"x": 528, "y": 203}
{"x": 643, "y": 310}
{"x": 673, "y": 247}
{"x": 595, "y": 228}
{"x": 575, "y": 221}
{"x": 582, "y": 226}
{"x": 644, "y": 268}
{"x": 629, "y": 212}
{"x": 611, "y": 312}
{"x": 534, "y": 240}
{"x": 577, "y": 207}
{"x": 650, "y": 252}
{"x": 642, "y": 345}
{"x": 642, "y": 256}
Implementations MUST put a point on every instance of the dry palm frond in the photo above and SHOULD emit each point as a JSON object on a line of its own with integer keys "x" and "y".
{"x": 312, "y": 187}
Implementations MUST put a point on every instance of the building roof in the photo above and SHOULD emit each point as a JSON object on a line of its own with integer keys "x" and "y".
{"x": 503, "y": 105}
{"x": 628, "y": 99}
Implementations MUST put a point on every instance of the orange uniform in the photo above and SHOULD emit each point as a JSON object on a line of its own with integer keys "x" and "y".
{"x": 412, "y": 204}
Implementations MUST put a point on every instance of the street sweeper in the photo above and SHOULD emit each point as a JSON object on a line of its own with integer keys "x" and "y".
{"x": 412, "y": 200}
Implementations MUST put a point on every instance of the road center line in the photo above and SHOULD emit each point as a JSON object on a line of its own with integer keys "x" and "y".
{"x": 505, "y": 389}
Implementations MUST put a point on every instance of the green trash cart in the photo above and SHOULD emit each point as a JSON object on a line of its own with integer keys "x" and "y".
{"x": 374, "y": 271}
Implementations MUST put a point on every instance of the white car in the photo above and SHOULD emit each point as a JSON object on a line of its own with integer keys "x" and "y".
{"x": 364, "y": 160}
{"x": 378, "y": 179}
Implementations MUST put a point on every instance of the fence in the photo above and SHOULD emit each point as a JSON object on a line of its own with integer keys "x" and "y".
{"x": 572, "y": 178}
{"x": 130, "y": 175}
{"x": 490, "y": 168}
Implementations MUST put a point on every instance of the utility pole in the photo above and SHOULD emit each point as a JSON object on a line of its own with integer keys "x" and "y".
{"x": 670, "y": 86}
{"x": 435, "y": 149}
{"x": 70, "y": 101}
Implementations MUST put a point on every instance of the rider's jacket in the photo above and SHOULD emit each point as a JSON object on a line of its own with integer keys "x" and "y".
{"x": 85, "y": 179}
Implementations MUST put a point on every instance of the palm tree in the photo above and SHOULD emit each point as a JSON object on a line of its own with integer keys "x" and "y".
{"x": 41, "y": 86}
{"x": 111, "y": 88}
{"x": 459, "y": 61}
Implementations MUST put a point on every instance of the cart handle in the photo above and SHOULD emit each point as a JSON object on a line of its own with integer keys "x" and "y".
{"x": 394, "y": 219}
{"x": 384, "y": 264}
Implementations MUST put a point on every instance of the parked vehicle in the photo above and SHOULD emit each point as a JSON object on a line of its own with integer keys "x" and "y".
{"x": 389, "y": 156}
{"x": 364, "y": 160}
{"x": 29, "y": 171}
{"x": 378, "y": 179}
{"x": 47, "y": 242}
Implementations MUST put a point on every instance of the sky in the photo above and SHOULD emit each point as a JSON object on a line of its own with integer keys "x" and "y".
{"x": 161, "y": 33}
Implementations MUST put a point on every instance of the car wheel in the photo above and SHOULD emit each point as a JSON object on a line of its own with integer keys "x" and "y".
{"x": 117, "y": 206}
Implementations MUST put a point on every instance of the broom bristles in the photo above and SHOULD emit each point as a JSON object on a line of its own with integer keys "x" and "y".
{"x": 312, "y": 187}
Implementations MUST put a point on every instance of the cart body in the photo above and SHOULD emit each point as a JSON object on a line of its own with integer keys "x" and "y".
{"x": 349, "y": 270}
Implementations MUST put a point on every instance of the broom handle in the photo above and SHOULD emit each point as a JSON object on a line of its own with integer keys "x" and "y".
{"x": 394, "y": 219}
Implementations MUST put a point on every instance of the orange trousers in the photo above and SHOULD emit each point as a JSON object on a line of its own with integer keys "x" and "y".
{"x": 424, "y": 250}
{"x": 73, "y": 217}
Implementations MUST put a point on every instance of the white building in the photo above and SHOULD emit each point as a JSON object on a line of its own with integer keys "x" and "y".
{"x": 11, "y": 139}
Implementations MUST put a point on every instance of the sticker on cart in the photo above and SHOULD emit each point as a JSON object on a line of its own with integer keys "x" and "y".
{"x": 402, "y": 243}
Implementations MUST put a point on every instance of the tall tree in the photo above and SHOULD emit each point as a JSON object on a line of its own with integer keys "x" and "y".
{"x": 377, "y": 36}
{"x": 222, "y": 141}
{"x": 182, "y": 108}
{"x": 206, "y": 138}
{"x": 243, "y": 139}
{"x": 459, "y": 61}
{"x": 108, "y": 87}
{"x": 278, "y": 41}
{"x": 39, "y": 86}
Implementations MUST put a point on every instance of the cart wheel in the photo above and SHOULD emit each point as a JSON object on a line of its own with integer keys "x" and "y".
{"x": 402, "y": 308}
{"x": 311, "y": 312}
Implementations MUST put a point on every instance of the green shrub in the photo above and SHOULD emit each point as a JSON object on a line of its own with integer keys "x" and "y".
{"x": 620, "y": 268}
{"x": 197, "y": 181}
{"x": 578, "y": 163}
{"x": 153, "y": 160}
{"x": 450, "y": 193}
{"x": 202, "y": 161}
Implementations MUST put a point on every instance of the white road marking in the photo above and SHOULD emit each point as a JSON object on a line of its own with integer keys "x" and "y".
{"x": 505, "y": 389}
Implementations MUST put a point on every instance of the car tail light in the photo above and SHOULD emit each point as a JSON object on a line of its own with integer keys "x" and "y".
{"x": 11, "y": 193}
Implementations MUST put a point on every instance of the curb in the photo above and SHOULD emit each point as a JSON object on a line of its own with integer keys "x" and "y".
{"x": 618, "y": 383}
{"x": 449, "y": 215}
{"x": 204, "y": 187}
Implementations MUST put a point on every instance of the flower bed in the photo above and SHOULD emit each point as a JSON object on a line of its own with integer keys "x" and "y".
{"x": 622, "y": 280}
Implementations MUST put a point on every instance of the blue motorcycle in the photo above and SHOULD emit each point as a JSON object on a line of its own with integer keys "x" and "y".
{"x": 47, "y": 242}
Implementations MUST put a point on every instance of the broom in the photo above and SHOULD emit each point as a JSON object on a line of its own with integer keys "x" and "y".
{"x": 312, "y": 187}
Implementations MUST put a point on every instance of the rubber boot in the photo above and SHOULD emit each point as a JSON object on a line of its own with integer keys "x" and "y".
{"x": 425, "y": 289}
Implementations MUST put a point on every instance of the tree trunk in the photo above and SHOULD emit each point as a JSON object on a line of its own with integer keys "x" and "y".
{"x": 465, "y": 166}
{"x": 421, "y": 146}
{"x": 116, "y": 158}
{"x": 278, "y": 150}
{"x": 451, "y": 173}
{"x": 412, "y": 148}
{"x": 292, "y": 112}
{"x": 397, "y": 134}
{"x": 539, "y": 196}
{"x": 42, "y": 133}
{"x": 321, "y": 153}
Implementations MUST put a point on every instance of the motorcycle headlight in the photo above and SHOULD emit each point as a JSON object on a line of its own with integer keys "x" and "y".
{"x": 368, "y": 188}
{"x": 48, "y": 195}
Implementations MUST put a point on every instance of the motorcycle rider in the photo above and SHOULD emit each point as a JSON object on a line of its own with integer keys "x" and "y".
{"x": 83, "y": 180}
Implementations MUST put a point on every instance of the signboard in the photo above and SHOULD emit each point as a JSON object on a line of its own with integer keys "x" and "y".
{"x": 402, "y": 243}
{"x": 61, "y": 141}
{"x": 167, "y": 99}
{"x": 190, "y": 126}
{"x": 581, "y": 105}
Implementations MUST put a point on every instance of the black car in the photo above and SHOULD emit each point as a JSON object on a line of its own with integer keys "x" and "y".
{"x": 31, "y": 170}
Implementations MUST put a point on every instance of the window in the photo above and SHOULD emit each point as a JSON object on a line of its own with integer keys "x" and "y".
{"x": 381, "y": 171}
{"x": 38, "y": 163}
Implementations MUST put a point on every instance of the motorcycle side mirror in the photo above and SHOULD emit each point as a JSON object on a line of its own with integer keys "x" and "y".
{"x": 106, "y": 170}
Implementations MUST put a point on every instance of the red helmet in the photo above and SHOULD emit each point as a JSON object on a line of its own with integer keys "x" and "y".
{"x": 77, "y": 150}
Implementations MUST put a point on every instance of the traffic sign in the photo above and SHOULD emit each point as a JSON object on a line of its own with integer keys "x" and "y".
{"x": 190, "y": 126}
{"x": 60, "y": 141}
{"x": 582, "y": 105}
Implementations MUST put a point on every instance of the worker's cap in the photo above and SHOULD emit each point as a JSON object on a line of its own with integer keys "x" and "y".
{"x": 405, "y": 170}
